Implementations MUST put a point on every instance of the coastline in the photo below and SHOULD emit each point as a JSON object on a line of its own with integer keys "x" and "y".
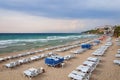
{"x": 20, "y": 42}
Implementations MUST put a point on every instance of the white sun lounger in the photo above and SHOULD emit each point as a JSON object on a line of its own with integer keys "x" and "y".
{"x": 85, "y": 76}
{"x": 20, "y": 55}
{"x": 43, "y": 55}
{"x": 75, "y": 76}
{"x": 8, "y": 57}
{"x": 34, "y": 58}
{"x": 79, "y": 73}
{"x": 84, "y": 69}
{"x": 1, "y": 59}
{"x": 58, "y": 50}
{"x": 67, "y": 57}
{"x": 9, "y": 65}
{"x": 28, "y": 53}
{"x": 12, "y": 64}
{"x": 26, "y": 60}
{"x": 33, "y": 72}
{"x": 100, "y": 51}
{"x": 50, "y": 53}
{"x": 30, "y": 72}
{"x": 118, "y": 51}
{"x": 94, "y": 59}
{"x": 78, "y": 51}
{"x": 117, "y": 55}
{"x": 21, "y": 61}
{"x": 116, "y": 62}
{"x": 108, "y": 44}
{"x": 91, "y": 64}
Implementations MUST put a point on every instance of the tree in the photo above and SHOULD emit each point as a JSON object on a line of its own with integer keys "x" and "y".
{"x": 117, "y": 31}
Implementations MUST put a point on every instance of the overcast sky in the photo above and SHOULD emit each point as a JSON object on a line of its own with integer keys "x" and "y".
{"x": 57, "y": 15}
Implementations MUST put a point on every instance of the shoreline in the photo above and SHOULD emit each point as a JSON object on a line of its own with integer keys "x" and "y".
{"x": 40, "y": 48}
{"x": 15, "y": 43}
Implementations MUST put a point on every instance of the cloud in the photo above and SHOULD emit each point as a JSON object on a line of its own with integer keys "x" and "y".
{"x": 20, "y": 22}
{"x": 57, "y": 15}
{"x": 70, "y": 9}
{"x": 17, "y": 22}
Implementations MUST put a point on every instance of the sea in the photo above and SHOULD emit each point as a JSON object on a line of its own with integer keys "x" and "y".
{"x": 13, "y": 42}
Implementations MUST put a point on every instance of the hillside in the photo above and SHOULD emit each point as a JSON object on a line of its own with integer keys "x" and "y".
{"x": 114, "y": 30}
{"x": 117, "y": 31}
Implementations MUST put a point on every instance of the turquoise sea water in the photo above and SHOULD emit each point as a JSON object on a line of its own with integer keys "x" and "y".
{"x": 11, "y": 42}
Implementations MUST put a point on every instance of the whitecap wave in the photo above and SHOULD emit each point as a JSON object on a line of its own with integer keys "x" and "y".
{"x": 68, "y": 37}
{"x": 8, "y": 42}
{"x": 5, "y": 43}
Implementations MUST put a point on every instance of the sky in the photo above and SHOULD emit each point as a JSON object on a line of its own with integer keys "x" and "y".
{"x": 57, "y": 16}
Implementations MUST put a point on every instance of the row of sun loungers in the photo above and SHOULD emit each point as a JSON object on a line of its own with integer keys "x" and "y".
{"x": 118, "y": 41}
{"x": 18, "y": 55}
{"x": 71, "y": 47}
{"x": 68, "y": 57}
{"x": 61, "y": 46}
{"x": 34, "y": 52}
{"x": 81, "y": 50}
{"x": 55, "y": 47}
{"x": 12, "y": 64}
{"x": 117, "y": 56}
{"x": 83, "y": 72}
{"x": 26, "y": 60}
{"x": 102, "y": 49}
{"x": 22, "y": 61}
{"x": 29, "y": 53}
{"x": 118, "y": 53}
{"x": 32, "y": 72}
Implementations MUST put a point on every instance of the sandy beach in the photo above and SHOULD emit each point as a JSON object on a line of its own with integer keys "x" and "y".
{"x": 105, "y": 70}
{"x": 59, "y": 40}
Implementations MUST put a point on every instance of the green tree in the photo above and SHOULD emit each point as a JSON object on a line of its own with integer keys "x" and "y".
{"x": 117, "y": 31}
